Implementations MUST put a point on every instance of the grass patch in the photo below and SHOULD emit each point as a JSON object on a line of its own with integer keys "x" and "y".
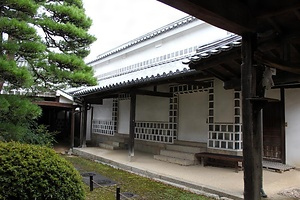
{"x": 143, "y": 187}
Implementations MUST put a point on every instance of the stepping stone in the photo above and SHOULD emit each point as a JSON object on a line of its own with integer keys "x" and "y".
{"x": 97, "y": 178}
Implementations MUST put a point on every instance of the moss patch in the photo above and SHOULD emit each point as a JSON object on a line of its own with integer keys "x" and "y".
{"x": 143, "y": 187}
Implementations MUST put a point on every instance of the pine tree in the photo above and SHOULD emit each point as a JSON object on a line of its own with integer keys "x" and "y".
{"x": 51, "y": 37}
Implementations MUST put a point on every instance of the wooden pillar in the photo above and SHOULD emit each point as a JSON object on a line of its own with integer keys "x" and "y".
{"x": 91, "y": 124}
{"x": 72, "y": 127}
{"x": 252, "y": 156}
{"x": 132, "y": 125}
{"x": 83, "y": 125}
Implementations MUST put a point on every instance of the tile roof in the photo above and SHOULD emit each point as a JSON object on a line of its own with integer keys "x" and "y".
{"x": 138, "y": 77}
{"x": 166, "y": 69}
{"x": 214, "y": 48}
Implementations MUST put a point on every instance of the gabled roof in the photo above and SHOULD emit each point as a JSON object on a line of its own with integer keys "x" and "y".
{"x": 164, "y": 70}
{"x": 174, "y": 25}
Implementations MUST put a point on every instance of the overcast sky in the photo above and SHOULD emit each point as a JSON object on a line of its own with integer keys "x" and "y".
{"x": 116, "y": 22}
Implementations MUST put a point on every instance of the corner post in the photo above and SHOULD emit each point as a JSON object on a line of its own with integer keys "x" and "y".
{"x": 83, "y": 125}
{"x": 252, "y": 156}
{"x": 72, "y": 126}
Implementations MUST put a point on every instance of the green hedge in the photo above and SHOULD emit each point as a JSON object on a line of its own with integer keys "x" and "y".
{"x": 36, "y": 172}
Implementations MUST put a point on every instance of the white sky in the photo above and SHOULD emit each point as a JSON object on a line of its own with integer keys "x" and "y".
{"x": 116, "y": 22}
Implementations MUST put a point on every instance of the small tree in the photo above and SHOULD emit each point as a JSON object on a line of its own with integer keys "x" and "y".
{"x": 51, "y": 38}
{"x": 35, "y": 172}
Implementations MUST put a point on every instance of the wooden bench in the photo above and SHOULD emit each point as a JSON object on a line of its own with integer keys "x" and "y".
{"x": 234, "y": 160}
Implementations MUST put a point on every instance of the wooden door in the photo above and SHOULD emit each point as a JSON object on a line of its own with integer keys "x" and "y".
{"x": 272, "y": 132}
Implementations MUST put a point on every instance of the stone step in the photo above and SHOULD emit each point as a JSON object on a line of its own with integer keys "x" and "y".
{"x": 113, "y": 143}
{"x": 115, "y": 139}
{"x": 108, "y": 146}
{"x": 187, "y": 149}
{"x": 178, "y": 154}
{"x": 174, "y": 160}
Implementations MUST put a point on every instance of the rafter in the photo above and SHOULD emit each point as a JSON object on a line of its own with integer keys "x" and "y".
{"x": 230, "y": 70}
{"x": 277, "y": 63}
{"x": 268, "y": 8}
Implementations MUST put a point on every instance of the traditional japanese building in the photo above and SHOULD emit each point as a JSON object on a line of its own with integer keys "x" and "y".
{"x": 176, "y": 91}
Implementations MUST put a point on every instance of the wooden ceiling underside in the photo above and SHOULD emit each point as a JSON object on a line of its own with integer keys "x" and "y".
{"x": 275, "y": 22}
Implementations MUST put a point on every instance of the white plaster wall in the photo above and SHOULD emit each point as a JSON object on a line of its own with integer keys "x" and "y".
{"x": 195, "y": 34}
{"x": 123, "y": 116}
{"x": 223, "y": 103}
{"x": 103, "y": 112}
{"x": 192, "y": 117}
{"x": 150, "y": 108}
{"x": 292, "y": 117}
{"x": 65, "y": 100}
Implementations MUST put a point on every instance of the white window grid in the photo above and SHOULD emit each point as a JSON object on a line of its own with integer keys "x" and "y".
{"x": 171, "y": 57}
{"x": 226, "y": 136}
{"x": 154, "y": 131}
{"x": 107, "y": 127}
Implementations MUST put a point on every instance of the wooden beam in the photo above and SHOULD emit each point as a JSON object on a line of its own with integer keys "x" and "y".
{"x": 277, "y": 63}
{"x": 269, "y": 8}
{"x": 132, "y": 125}
{"x": 229, "y": 69}
{"x": 153, "y": 93}
{"x": 233, "y": 84}
{"x": 232, "y": 15}
{"x": 54, "y": 104}
{"x": 96, "y": 100}
{"x": 216, "y": 74}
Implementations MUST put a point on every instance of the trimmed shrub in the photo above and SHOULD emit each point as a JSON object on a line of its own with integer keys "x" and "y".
{"x": 36, "y": 172}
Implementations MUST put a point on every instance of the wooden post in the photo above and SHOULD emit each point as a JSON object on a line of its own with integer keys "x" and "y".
{"x": 83, "y": 125}
{"x": 132, "y": 125}
{"x": 252, "y": 168}
{"x": 118, "y": 195}
{"x": 72, "y": 127}
{"x": 91, "y": 124}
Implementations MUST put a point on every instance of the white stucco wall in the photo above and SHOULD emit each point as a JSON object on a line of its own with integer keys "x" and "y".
{"x": 223, "y": 103}
{"x": 103, "y": 112}
{"x": 194, "y": 34}
{"x": 64, "y": 100}
{"x": 192, "y": 117}
{"x": 123, "y": 116}
{"x": 153, "y": 109}
{"x": 292, "y": 117}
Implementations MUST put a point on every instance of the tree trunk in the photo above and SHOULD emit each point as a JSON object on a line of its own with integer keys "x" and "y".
{"x": 1, "y": 85}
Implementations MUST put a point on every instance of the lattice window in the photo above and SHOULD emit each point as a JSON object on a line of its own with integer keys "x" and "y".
{"x": 107, "y": 127}
{"x": 225, "y": 135}
{"x": 178, "y": 55}
{"x": 103, "y": 127}
{"x": 182, "y": 89}
{"x": 154, "y": 131}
